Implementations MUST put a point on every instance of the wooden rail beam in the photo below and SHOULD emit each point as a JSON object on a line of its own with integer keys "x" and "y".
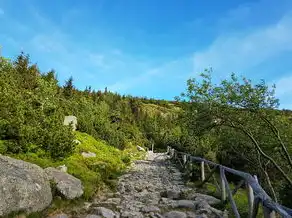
{"x": 254, "y": 187}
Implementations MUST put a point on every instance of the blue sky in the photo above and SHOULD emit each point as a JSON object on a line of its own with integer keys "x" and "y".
{"x": 151, "y": 47}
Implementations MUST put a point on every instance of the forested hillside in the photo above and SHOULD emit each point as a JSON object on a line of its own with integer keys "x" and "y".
{"x": 235, "y": 123}
{"x": 32, "y": 109}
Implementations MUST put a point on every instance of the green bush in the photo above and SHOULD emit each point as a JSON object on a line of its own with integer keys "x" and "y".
{"x": 3, "y": 147}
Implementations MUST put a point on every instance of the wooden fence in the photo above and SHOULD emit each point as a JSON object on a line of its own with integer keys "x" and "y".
{"x": 255, "y": 193}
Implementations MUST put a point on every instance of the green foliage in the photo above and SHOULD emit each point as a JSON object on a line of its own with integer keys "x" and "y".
{"x": 3, "y": 148}
{"x": 28, "y": 110}
{"x": 32, "y": 110}
{"x": 96, "y": 172}
{"x": 236, "y": 123}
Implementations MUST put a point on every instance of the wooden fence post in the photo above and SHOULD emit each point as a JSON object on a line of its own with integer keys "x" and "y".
{"x": 250, "y": 197}
{"x": 184, "y": 159}
{"x": 191, "y": 167}
{"x": 222, "y": 184}
{"x": 202, "y": 171}
{"x": 172, "y": 153}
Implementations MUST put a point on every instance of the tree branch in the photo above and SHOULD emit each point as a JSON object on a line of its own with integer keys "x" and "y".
{"x": 277, "y": 134}
{"x": 262, "y": 152}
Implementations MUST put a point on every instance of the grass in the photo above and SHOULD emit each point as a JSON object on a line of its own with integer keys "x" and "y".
{"x": 240, "y": 199}
{"x": 96, "y": 173}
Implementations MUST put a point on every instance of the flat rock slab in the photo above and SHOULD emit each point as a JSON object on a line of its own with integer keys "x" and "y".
{"x": 104, "y": 212}
{"x": 186, "y": 204}
{"x": 202, "y": 197}
{"x": 88, "y": 154}
{"x": 69, "y": 186}
{"x": 175, "y": 214}
{"x": 93, "y": 216}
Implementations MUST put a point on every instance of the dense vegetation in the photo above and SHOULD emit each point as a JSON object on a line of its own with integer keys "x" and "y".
{"x": 32, "y": 110}
{"x": 235, "y": 123}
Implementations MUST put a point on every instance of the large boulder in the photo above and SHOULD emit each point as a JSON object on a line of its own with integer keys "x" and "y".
{"x": 23, "y": 187}
{"x": 71, "y": 120}
{"x": 69, "y": 186}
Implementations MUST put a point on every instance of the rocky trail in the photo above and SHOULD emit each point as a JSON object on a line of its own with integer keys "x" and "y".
{"x": 153, "y": 188}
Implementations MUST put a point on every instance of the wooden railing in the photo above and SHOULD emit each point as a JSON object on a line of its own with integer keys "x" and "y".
{"x": 255, "y": 193}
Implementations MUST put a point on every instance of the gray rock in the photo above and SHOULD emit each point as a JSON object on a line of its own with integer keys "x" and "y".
{"x": 200, "y": 216}
{"x": 113, "y": 201}
{"x": 23, "y": 187}
{"x": 104, "y": 212}
{"x": 62, "y": 215}
{"x": 204, "y": 208}
{"x": 88, "y": 154}
{"x": 186, "y": 204}
{"x": 131, "y": 214}
{"x": 139, "y": 148}
{"x": 63, "y": 168}
{"x": 69, "y": 186}
{"x": 70, "y": 120}
{"x": 155, "y": 184}
{"x": 202, "y": 197}
{"x": 172, "y": 194}
{"x": 191, "y": 214}
{"x": 158, "y": 215}
{"x": 175, "y": 214}
{"x": 93, "y": 216}
{"x": 87, "y": 205}
{"x": 151, "y": 208}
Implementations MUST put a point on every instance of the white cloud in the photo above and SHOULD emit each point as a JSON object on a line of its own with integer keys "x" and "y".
{"x": 127, "y": 83}
{"x": 97, "y": 59}
{"x": 48, "y": 43}
{"x": 173, "y": 70}
{"x": 284, "y": 86}
{"x": 241, "y": 52}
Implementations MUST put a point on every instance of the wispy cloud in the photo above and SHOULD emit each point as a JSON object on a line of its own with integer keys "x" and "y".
{"x": 173, "y": 73}
{"x": 243, "y": 52}
{"x": 127, "y": 83}
{"x": 97, "y": 59}
{"x": 284, "y": 87}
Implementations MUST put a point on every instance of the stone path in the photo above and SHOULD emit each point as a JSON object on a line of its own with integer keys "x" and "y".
{"x": 154, "y": 188}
